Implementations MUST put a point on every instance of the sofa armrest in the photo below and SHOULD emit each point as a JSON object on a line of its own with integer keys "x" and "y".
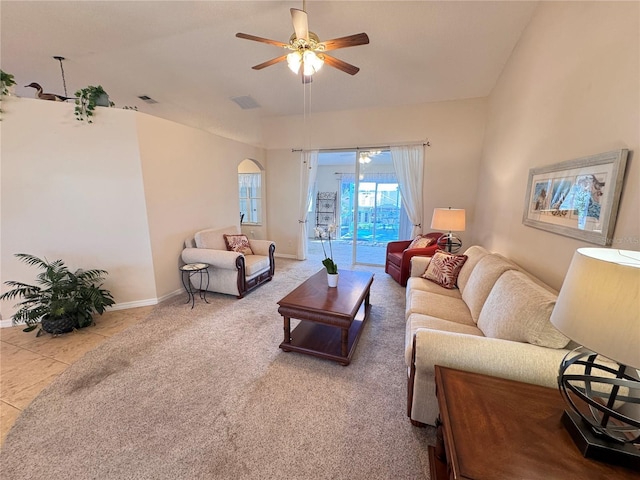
{"x": 261, "y": 247}
{"x": 419, "y": 265}
{"x": 417, "y": 252}
{"x": 216, "y": 258}
{"x": 517, "y": 361}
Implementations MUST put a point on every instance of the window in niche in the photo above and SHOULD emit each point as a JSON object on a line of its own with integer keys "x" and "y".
{"x": 250, "y": 192}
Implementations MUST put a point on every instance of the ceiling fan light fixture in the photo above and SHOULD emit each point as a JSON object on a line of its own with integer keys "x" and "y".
{"x": 312, "y": 62}
{"x": 294, "y": 61}
{"x": 307, "y": 51}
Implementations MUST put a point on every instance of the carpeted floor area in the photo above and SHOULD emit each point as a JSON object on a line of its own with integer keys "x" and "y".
{"x": 207, "y": 393}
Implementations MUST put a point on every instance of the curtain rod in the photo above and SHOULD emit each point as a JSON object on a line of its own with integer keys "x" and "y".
{"x": 426, "y": 143}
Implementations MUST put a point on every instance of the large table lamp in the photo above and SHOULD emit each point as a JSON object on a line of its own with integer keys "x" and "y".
{"x": 452, "y": 220}
{"x": 598, "y": 307}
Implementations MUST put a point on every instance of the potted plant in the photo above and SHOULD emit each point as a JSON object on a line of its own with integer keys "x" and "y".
{"x": 87, "y": 99}
{"x": 329, "y": 264}
{"x": 62, "y": 300}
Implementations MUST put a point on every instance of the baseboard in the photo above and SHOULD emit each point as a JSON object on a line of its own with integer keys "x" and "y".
{"x": 135, "y": 304}
{"x": 285, "y": 255}
{"x": 175, "y": 293}
{"x": 145, "y": 303}
{"x": 121, "y": 306}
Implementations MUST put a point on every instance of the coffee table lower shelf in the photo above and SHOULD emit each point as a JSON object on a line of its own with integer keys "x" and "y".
{"x": 325, "y": 341}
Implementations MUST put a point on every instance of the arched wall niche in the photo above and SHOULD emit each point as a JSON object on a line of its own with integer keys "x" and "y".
{"x": 252, "y": 195}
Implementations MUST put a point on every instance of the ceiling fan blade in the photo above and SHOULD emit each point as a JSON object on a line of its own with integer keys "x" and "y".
{"x": 300, "y": 23}
{"x": 344, "y": 42}
{"x": 268, "y": 63}
{"x": 340, "y": 65}
{"x": 246, "y": 36}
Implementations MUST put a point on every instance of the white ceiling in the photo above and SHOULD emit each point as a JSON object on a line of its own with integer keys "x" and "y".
{"x": 185, "y": 54}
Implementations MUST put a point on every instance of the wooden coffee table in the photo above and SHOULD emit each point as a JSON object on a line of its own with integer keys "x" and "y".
{"x": 496, "y": 429}
{"x": 331, "y": 318}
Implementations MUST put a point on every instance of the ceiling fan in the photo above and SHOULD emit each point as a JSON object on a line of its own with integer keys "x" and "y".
{"x": 307, "y": 52}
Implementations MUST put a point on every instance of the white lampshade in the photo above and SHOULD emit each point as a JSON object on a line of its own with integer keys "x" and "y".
{"x": 294, "y": 61}
{"x": 599, "y": 303}
{"x": 452, "y": 219}
{"x": 311, "y": 62}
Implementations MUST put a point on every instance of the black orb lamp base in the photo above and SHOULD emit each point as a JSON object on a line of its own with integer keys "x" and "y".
{"x": 449, "y": 243}
{"x": 598, "y": 447}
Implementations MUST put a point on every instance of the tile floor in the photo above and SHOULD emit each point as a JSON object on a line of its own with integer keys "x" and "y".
{"x": 29, "y": 363}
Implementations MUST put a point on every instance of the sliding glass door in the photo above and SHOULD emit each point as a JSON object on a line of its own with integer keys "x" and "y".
{"x": 368, "y": 202}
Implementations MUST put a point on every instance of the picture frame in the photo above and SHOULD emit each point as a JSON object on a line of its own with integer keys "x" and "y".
{"x": 577, "y": 198}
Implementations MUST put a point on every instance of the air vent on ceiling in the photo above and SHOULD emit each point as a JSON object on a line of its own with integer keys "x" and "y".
{"x": 246, "y": 102}
{"x": 147, "y": 99}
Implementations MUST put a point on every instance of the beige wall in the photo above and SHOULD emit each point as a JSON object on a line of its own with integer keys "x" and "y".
{"x": 73, "y": 191}
{"x": 190, "y": 183}
{"x": 570, "y": 89}
{"x": 283, "y": 186}
{"x": 120, "y": 194}
{"x": 455, "y": 130}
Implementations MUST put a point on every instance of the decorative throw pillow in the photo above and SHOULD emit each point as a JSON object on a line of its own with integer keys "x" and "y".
{"x": 238, "y": 243}
{"x": 443, "y": 268}
{"x": 422, "y": 241}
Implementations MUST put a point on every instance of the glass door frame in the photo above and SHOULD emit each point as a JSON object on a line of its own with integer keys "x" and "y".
{"x": 350, "y": 206}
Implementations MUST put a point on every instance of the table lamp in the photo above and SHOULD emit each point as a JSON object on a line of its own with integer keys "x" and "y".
{"x": 451, "y": 219}
{"x": 598, "y": 307}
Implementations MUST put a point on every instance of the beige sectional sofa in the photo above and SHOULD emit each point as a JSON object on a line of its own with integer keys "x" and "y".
{"x": 496, "y": 322}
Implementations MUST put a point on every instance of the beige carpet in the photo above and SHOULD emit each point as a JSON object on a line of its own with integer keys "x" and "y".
{"x": 207, "y": 393}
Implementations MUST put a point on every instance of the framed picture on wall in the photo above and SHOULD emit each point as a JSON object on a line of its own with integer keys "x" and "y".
{"x": 577, "y": 198}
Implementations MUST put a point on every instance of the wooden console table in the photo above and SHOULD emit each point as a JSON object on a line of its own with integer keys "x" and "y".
{"x": 491, "y": 428}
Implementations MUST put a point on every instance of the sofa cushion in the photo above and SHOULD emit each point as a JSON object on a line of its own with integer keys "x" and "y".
{"x": 213, "y": 238}
{"x": 238, "y": 243}
{"x": 518, "y": 309}
{"x": 474, "y": 254}
{"x": 418, "y": 320}
{"x": 440, "y": 306}
{"x": 443, "y": 268}
{"x": 418, "y": 283}
{"x": 481, "y": 281}
{"x": 421, "y": 241}
{"x": 255, "y": 264}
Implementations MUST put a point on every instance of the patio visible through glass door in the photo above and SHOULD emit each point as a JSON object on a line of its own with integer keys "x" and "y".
{"x": 379, "y": 206}
{"x": 368, "y": 203}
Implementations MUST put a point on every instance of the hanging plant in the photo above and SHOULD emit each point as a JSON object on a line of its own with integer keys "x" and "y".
{"x": 6, "y": 81}
{"x": 87, "y": 99}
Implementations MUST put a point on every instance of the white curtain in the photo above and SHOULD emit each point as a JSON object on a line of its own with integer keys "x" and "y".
{"x": 250, "y": 180}
{"x": 408, "y": 162}
{"x": 308, "y": 172}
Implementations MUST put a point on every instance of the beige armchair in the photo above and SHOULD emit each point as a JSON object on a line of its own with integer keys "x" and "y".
{"x": 230, "y": 272}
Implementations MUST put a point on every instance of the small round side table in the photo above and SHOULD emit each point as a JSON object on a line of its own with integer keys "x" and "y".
{"x": 188, "y": 271}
